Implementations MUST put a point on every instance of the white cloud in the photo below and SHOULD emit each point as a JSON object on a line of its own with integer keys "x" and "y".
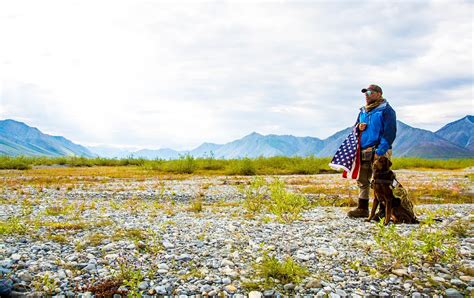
{"x": 167, "y": 74}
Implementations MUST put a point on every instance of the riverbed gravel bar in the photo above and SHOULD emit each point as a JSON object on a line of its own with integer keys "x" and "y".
{"x": 84, "y": 233}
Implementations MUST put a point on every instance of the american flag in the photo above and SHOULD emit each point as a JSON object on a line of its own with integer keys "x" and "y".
{"x": 347, "y": 157}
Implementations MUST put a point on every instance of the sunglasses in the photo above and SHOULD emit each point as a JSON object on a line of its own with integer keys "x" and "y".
{"x": 369, "y": 92}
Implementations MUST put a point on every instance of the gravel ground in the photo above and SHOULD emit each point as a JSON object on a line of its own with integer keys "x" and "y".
{"x": 180, "y": 252}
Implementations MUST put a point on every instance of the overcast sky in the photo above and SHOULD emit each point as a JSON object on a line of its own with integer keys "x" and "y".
{"x": 154, "y": 74}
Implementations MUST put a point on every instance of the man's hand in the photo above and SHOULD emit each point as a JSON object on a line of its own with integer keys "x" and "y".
{"x": 362, "y": 126}
{"x": 376, "y": 155}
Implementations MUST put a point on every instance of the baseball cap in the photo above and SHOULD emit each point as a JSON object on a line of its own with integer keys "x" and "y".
{"x": 373, "y": 88}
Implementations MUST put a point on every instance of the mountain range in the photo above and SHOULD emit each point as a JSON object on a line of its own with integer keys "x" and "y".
{"x": 17, "y": 138}
{"x": 454, "y": 140}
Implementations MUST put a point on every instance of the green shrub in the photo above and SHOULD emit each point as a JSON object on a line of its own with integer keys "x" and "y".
{"x": 196, "y": 205}
{"x": 425, "y": 244}
{"x": 131, "y": 276}
{"x": 15, "y": 163}
{"x": 287, "y": 271}
{"x": 244, "y": 166}
{"x": 186, "y": 164}
{"x": 13, "y": 225}
{"x": 255, "y": 195}
{"x": 287, "y": 206}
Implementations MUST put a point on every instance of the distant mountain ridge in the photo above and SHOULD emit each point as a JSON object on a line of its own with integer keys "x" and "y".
{"x": 410, "y": 142}
{"x": 460, "y": 132}
{"x": 17, "y": 138}
{"x": 455, "y": 139}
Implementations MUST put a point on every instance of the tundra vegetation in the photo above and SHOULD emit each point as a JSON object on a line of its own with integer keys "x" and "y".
{"x": 88, "y": 204}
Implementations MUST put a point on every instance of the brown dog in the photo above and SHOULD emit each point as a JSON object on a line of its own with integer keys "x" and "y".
{"x": 395, "y": 209}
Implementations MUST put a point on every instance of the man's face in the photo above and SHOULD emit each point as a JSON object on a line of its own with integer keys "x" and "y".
{"x": 371, "y": 96}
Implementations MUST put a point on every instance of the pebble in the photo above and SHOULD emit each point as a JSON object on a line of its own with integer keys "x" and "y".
{"x": 143, "y": 285}
{"x": 313, "y": 283}
{"x": 230, "y": 289}
{"x": 255, "y": 294}
{"x": 400, "y": 272}
{"x": 289, "y": 287}
{"x": 323, "y": 241}
{"x": 453, "y": 293}
{"x": 466, "y": 278}
{"x": 327, "y": 251}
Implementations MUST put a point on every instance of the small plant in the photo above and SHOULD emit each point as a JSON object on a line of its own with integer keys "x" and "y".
{"x": 96, "y": 238}
{"x": 133, "y": 234}
{"x": 193, "y": 273}
{"x": 26, "y": 207}
{"x": 131, "y": 277}
{"x": 460, "y": 228}
{"x": 196, "y": 205}
{"x": 425, "y": 244}
{"x": 62, "y": 209}
{"x": 255, "y": 195}
{"x": 105, "y": 288}
{"x": 274, "y": 271}
{"x": 401, "y": 248}
{"x": 287, "y": 206}
{"x": 13, "y": 225}
{"x": 58, "y": 238}
{"x": 45, "y": 283}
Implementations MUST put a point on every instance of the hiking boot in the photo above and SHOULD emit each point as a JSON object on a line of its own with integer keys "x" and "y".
{"x": 362, "y": 209}
{"x": 381, "y": 214}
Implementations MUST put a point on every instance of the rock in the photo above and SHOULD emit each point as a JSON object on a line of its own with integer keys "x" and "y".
{"x": 438, "y": 279}
{"x": 231, "y": 289}
{"x": 268, "y": 293}
{"x": 313, "y": 284}
{"x": 226, "y": 262}
{"x": 302, "y": 257}
{"x": 90, "y": 267}
{"x": 109, "y": 247}
{"x": 226, "y": 280}
{"x": 327, "y": 251}
{"x": 15, "y": 257}
{"x": 143, "y": 285}
{"x": 184, "y": 257}
{"x": 255, "y": 294}
{"x": 25, "y": 276}
{"x": 62, "y": 274}
{"x": 466, "y": 278}
{"x": 167, "y": 244}
{"x": 111, "y": 257}
{"x": 453, "y": 293}
{"x": 341, "y": 293}
{"x": 160, "y": 290}
{"x": 206, "y": 288}
{"x": 289, "y": 287}
{"x": 456, "y": 282}
{"x": 400, "y": 272}
{"x": 162, "y": 271}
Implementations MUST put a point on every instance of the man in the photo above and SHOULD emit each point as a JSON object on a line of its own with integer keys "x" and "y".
{"x": 378, "y": 126}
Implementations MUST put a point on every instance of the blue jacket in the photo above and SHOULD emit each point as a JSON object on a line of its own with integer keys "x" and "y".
{"x": 381, "y": 127}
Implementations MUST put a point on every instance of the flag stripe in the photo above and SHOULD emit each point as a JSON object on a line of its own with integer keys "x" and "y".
{"x": 347, "y": 157}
